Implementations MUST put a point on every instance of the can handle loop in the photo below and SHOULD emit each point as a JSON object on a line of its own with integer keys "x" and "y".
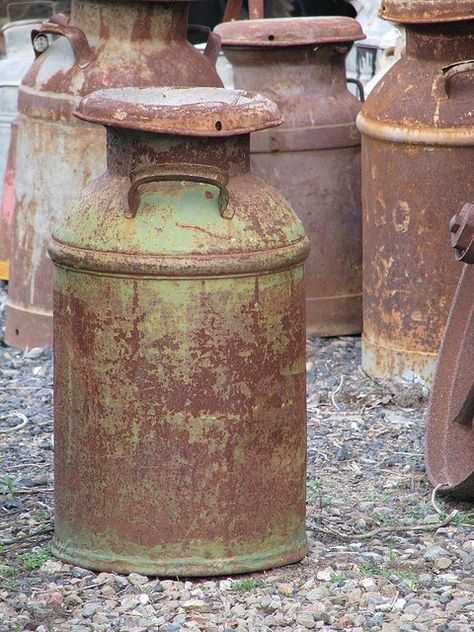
{"x": 360, "y": 87}
{"x": 234, "y": 8}
{"x": 181, "y": 172}
{"x": 58, "y": 25}
{"x": 213, "y": 44}
{"x": 441, "y": 86}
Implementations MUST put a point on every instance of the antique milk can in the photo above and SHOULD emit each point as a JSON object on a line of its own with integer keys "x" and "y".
{"x": 179, "y": 345}
{"x": 449, "y": 439}
{"x": 314, "y": 157}
{"x": 417, "y": 152}
{"x": 106, "y": 43}
{"x": 19, "y": 57}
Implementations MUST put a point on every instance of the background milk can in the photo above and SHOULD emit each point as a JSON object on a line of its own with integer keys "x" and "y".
{"x": 417, "y": 150}
{"x": 105, "y": 44}
{"x": 19, "y": 56}
{"x": 313, "y": 159}
{"x": 449, "y": 439}
{"x": 179, "y": 342}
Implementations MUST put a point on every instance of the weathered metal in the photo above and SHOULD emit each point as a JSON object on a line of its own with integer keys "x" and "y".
{"x": 179, "y": 345}
{"x": 105, "y": 44}
{"x": 449, "y": 437}
{"x": 314, "y": 158}
{"x": 19, "y": 57}
{"x": 417, "y": 146}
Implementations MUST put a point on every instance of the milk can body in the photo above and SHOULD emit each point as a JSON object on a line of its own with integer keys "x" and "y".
{"x": 104, "y": 44}
{"x": 314, "y": 157}
{"x": 19, "y": 57}
{"x": 417, "y": 147}
{"x": 179, "y": 342}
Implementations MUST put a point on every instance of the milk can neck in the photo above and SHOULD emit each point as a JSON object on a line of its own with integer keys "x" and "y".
{"x": 283, "y": 70}
{"x": 449, "y": 41}
{"x": 131, "y": 21}
{"x": 129, "y": 149}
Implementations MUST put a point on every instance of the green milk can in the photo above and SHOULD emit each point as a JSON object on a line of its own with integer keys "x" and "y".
{"x": 179, "y": 345}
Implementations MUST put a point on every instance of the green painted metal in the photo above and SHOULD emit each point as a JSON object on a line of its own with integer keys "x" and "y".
{"x": 179, "y": 341}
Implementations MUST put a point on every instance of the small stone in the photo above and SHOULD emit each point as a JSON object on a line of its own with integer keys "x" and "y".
{"x": 434, "y": 553}
{"x": 137, "y": 580}
{"x": 445, "y": 597}
{"x": 306, "y": 620}
{"x": 195, "y": 604}
{"x": 342, "y": 453}
{"x": 170, "y": 627}
{"x": 285, "y": 589}
{"x": 325, "y": 575}
{"x": 51, "y": 567}
{"x": 442, "y": 563}
{"x": 90, "y": 609}
{"x": 367, "y": 583}
{"x": 425, "y": 579}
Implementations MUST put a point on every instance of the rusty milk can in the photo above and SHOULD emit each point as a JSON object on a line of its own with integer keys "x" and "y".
{"x": 417, "y": 153}
{"x": 106, "y": 43}
{"x": 179, "y": 345}
{"x": 314, "y": 157}
{"x": 19, "y": 57}
{"x": 450, "y": 427}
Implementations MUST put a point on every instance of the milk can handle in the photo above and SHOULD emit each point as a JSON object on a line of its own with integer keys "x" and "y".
{"x": 179, "y": 172}
{"x": 360, "y": 87}
{"x": 83, "y": 54}
{"x": 441, "y": 87}
{"x": 234, "y": 8}
{"x": 213, "y": 45}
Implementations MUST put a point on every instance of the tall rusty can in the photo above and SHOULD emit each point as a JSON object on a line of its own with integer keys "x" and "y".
{"x": 314, "y": 157}
{"x": 106, "y": 43}
{"x": 179, "y": 345}
{"x": 417, "y": 152}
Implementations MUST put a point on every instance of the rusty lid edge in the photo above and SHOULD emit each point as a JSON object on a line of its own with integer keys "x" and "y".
{"x": 286, "y": 32}
{"x": 426, "y": 11}
{"x": 209, "y": 112}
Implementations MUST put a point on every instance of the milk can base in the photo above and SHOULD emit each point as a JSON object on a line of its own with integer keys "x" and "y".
{"x": 25, "y": 329}
{"x": 334, "y": 316}
{"x": 185, "y": 567}
{"x": 381, "y": 361}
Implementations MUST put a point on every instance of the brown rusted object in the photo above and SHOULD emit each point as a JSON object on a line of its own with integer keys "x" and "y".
{"x": 313, "y": 158}
{"x": 7, "y": 205}
{"x": 417, "y": 147}
{"x": 450, "y": 427}
{"x": 104, "y": 44}
{"x": 179, "y": 346}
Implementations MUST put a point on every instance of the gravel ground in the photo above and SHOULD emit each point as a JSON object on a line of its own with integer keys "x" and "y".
{"x": 384, "y": 555}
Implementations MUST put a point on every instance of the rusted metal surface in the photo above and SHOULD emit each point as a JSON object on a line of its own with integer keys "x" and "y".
{"x": 314, "y": 158}
{"x": 7, "y": 204}
{"x": 104, "y": 44}
{"x": 427, "y": 11}
{"x": 417, "y": 145}
{"x": 179, "y": 345}
{"x": 450, "y": 428}
{"x": 12, "y": 70}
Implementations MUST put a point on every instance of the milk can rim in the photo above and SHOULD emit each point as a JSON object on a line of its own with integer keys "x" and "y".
{"x": 284, "y": 32}
{"x": 181, "y": 111}
{"x": 426, "y": 11}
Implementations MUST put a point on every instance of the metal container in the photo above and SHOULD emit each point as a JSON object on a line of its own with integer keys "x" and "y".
{"x": 314, "y": 158}
{"x": 106, "y": 43}
{"x": 19, "y": 57}
{"x": 179, "y": 345}
{"x": 449, "y": 437}
{"x": 417, "y": 151}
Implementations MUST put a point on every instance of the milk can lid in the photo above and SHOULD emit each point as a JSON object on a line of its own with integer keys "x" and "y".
{"x": 279, "y": 32}
{"x": 426, "y": 11}
{"x": 181, "y": 111}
